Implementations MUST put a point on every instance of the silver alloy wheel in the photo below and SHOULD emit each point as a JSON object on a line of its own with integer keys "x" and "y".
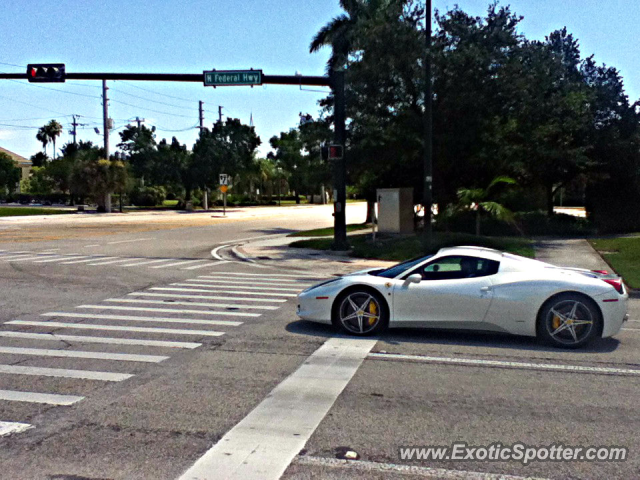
{"x": 569, "y": 322}
{"x": 359, "y": 312}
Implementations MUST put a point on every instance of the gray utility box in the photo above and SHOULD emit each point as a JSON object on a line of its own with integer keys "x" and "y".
{"x": 395, "y": 210}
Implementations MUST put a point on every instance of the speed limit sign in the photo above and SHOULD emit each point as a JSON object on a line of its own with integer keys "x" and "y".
{"x": 224, "y": 179}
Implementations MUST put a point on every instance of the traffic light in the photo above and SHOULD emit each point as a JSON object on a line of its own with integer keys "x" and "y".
{"x": 46, "y": 72}
{"x": 332, "y": 152}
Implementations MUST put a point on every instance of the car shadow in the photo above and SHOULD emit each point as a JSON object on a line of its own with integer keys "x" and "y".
{"x": 477, "y": 339}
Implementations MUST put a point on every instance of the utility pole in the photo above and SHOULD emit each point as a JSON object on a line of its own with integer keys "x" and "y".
{"x": 105, "y": 113}
{"x": 200, "y": 107}
{"x": 428, "y": 133}
{"x": 139, "y": 121}
{"x": 75, "y": 129}
{"x": 220, "y": 107}
{"x": 339, "y": 165}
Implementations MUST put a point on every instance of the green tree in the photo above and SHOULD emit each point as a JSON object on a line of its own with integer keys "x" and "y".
{"x": 228, "y": 148}
{"x": 97, "y": 177}
{"x": 140, "y": 147}
{"x": 480, "y": 200}
{"x": 10, "y": 173}
{"x": 39, "y": 159}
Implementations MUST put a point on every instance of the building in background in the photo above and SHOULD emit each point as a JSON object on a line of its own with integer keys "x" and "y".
{"x": 24, "y": 164}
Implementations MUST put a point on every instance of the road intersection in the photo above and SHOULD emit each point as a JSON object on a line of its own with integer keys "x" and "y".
{"x": 121, "y": 361}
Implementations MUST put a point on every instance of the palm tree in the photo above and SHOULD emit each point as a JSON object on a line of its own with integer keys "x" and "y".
{"x": 42, "y": 137}
{"x": 341, "y": 33}
{"x": 53, "y": 130}
{"x": 478, "y": 199}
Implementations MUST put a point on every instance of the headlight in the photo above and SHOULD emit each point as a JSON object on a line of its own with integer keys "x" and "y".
{"x": 322, "y": 284}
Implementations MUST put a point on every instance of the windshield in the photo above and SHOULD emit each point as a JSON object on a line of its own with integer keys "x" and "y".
{"x": 400, "y": 268}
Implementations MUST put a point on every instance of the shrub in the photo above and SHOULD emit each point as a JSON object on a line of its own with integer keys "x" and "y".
{"x": 147, "y": 196}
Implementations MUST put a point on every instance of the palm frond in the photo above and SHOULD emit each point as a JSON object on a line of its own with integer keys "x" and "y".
{"x": 498, "y": 211}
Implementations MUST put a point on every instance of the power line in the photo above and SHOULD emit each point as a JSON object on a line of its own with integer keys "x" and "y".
{"x": 157, "y": 93}
{"x": 150, "y": 109}
{"x": 53, "y": 89}
{"x": 154, "y": 101}
{"x": 35, "y": 106}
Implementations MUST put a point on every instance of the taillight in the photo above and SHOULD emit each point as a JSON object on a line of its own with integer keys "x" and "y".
{"x": 615, "y": 283}
{"x": 603, "y": 272}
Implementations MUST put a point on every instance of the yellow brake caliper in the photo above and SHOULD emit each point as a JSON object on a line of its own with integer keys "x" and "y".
{"x": 373, "y": 310}
{"x": 556, "y": 322}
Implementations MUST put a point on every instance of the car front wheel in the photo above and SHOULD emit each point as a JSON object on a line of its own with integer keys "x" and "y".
{"x": 361, "y": 312}
{"x": 569, "y": 321}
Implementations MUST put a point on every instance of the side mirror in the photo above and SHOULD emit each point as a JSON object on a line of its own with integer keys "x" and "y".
{"x": 413, "y": 278}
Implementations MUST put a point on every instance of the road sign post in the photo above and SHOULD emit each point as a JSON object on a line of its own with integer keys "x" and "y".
{"x": 224, "y": 186}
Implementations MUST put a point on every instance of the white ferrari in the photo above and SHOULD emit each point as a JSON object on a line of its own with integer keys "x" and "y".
{"x": 474, "y": 288}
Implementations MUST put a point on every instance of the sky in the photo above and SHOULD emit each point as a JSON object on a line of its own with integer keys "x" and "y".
{"x": 190, "y": 36}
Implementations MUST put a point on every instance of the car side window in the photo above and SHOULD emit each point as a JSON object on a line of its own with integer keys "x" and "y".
{"x": 457, "y": 267}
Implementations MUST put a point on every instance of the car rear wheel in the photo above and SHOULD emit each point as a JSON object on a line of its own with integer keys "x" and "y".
{"x": 361, "y": 312}
{"x": 569, "y": 321}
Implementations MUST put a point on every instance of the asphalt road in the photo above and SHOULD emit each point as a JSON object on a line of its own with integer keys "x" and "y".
{"x": 146, "y": 353}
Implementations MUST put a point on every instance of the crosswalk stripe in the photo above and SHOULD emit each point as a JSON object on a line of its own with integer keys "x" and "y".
{"x": 176, "y": 264}
{"x": 143, "y": 319}
{"x": 26, "y": 258}
{"x": 249, "y": 281}
{"x": 146, "y": 263}
{"x": 209, "y": 297}
{"x": 223, "y": 276}
{"x": 32, "y": 397}
{"x": 116, "y": 328}
{"x": 189, "y": 283}
{"x": 64, "y": 373}
{"x": 61, "y": 258}
{"x": 168, "y": 310}
{"x": 273, "y": 275}
{"x": 193, "y": 304}
{"x": 92, "y": 258}
{"x": 210, "y": 264}
{"x": 44, "y": 352}
{"x": 222, "y": 290}
{"x": 106, "y": 340}
{"x": 112, "y": 261}
{"x": 8, "y": 428}
{"x": 16, "y": 257}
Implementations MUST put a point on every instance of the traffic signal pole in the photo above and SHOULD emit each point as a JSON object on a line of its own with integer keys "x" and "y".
{"x": 339, "y": 165}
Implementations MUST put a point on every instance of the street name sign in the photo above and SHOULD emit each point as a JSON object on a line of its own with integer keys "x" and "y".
{"x": 223, "y": 78}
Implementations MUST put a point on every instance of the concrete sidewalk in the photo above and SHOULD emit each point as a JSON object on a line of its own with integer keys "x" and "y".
{"x": 576, "y": 253}
{"x": 275, "y": 252}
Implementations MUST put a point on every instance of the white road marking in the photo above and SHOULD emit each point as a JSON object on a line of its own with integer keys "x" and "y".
{"x": 194, "y": 304}
{"x": 107, "y": 340}
{"x": 168, "y": 310}
{"x": 129, "y": 241}
{"x": 214, "y": 252}
{"x": 50, "y": 250}
{"x": 224, "y": 276}
{"x": 241, "y": 255}
{"x": 129, "y": 318}
{"x": 182, "y": 263}
{"x": 394, "y": 469}
{"x": 263, "y": 444}
{"x": 210, "y": 264}
{"x": 31, "y": 397}
{"x": 90, "y": 246}
{"x": 115, "y": 328}
{"x": 249, "y": 281}
{"x": 8, "y": 428}
{"x": 201, "y": 285}
{"x": 26, "y": 258}
{"x": 61, "y": 258}
{"x": 209, "y": 297}
{"x": 146, "y": 263}
{"x": 500, "y": 363}
{"x": 16, "y": 257}
{"x": 221, "y": 290}
{"x": 43, "y": 352}
{"x": 112, "y": 261}
{"x": 271, "y": 275}
{"x": 64, "y": 373}
{"x": 94, "y": 258}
